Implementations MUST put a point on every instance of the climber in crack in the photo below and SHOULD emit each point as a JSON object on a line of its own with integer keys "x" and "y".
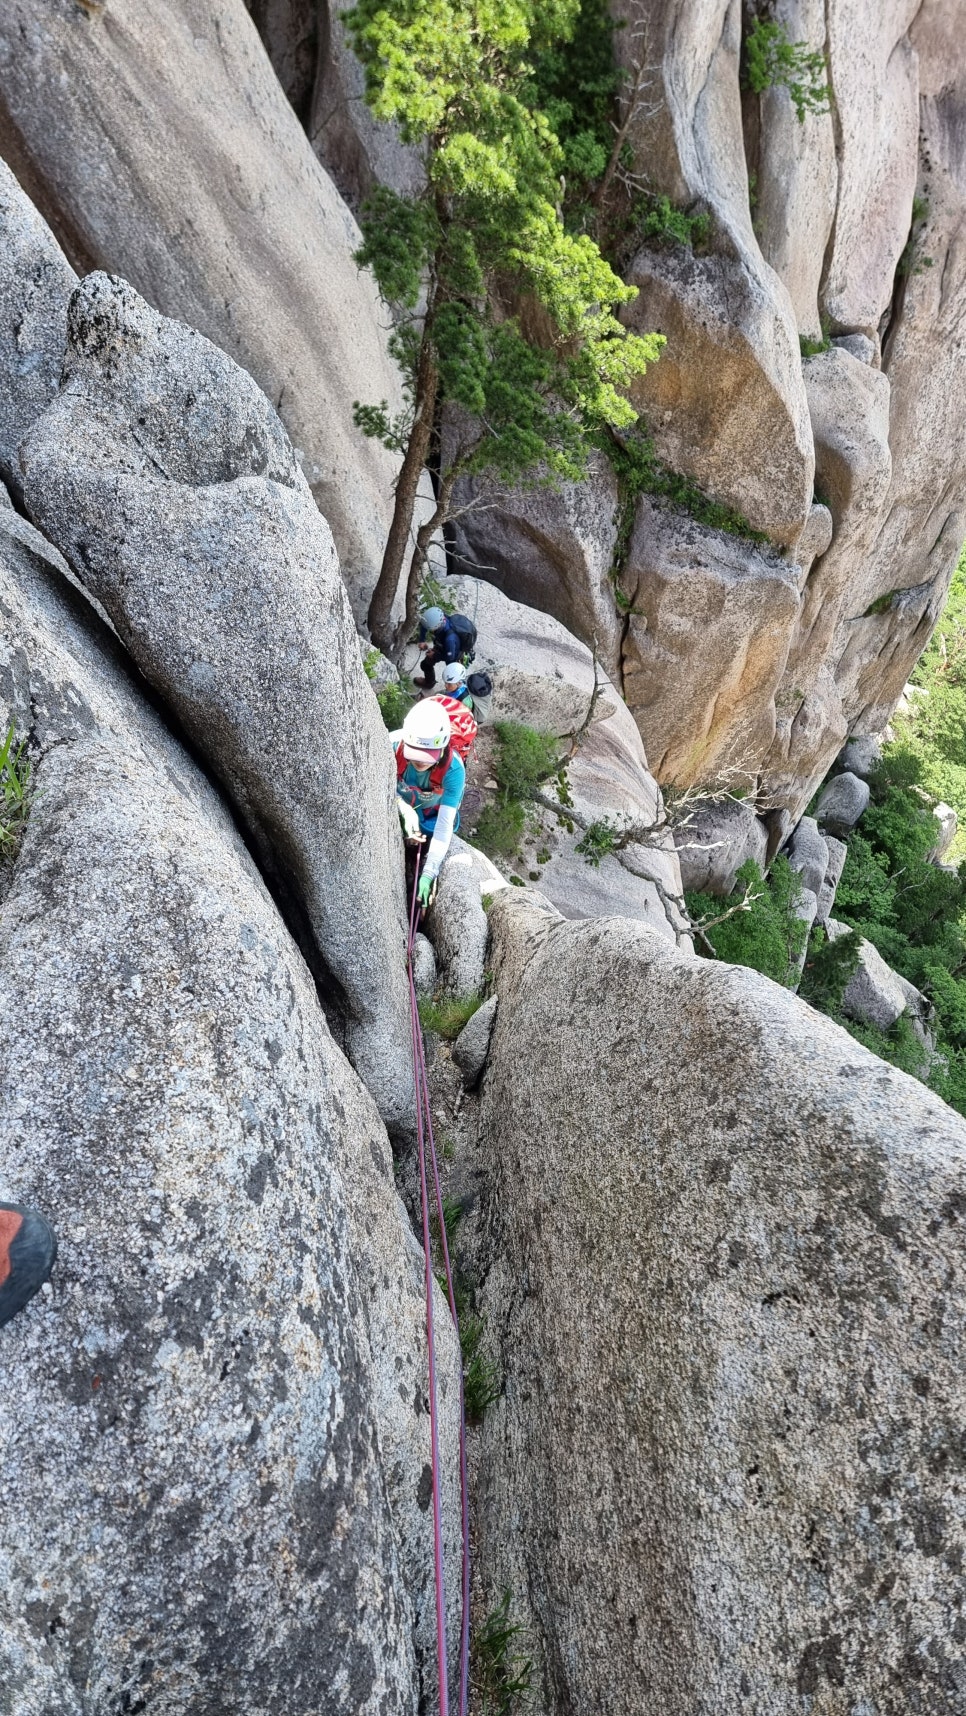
{"x": 430, "y": 779}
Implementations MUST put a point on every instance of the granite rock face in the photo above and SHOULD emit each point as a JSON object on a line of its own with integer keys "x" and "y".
{"x": 725, "y": 1260}
{"x": 36, "y": 281}
{"x": 845, "y": 228}
{"x": 230, "y": 224}
{"x": 168, "y": 482}
{"x": 552, "y": 549}
{"x": 730, "y": 378}
{"x": 709, "y": 624}
{"x": 213, "y": 1465}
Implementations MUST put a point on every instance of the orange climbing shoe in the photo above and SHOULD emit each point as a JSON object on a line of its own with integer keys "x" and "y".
{"x": 28, "y": 1249}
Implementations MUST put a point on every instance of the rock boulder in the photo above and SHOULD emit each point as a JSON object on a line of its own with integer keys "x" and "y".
{"x": 229, "y": 224}
{"x": 713, "y": 841}
{"x": 725, "y": 1273}
{"x": 36, "y": 281}
{"x": 168, "y": 482}
{"x": 709, "y": 625}
{"x": 842, "y": 803}
{"x": 214, "y": 1460}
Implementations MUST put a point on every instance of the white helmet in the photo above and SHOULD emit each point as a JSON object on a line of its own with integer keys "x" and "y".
{"x": 454, "y": 673}
{"x": 425, "y": 733}
{"x": 433, "y": 619}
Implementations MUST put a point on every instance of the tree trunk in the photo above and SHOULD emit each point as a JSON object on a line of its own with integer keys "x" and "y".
{"x": 424, "y": 536}
{"x": 407, "y": 486}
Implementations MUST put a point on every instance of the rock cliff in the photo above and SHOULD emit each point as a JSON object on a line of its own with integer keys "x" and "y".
{"x": 709, "y": 1250}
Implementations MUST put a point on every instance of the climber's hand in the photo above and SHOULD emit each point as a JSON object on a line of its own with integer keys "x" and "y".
{"x": 426, "y": 890}
{"x": 410, "y": 823}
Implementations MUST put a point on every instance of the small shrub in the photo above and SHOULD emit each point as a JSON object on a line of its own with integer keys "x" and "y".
{"x": 881, "y": 605}
{"x": 501, "y": 1673}
{"x": 657, "y": 217}
{"x": 446, "y": 1015}
{"x": 912, "y": 260}
{"x": 828, "y": 970}
{"x": 639, "y": 471}
{"x": 774, "y": 62}
{"x": 15, "y": 794}
{"x": 394, "y": 703}
{"x": 499, "y": 829}
{"x": 597, "y": 842}
{"x": 815, "y": 347}
{"x": 525, "y": 758}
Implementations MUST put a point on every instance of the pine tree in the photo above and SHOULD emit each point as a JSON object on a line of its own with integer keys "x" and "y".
{"x": 498, "y": 311}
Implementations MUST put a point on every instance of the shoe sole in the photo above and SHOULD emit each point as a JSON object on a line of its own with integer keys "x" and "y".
{"x": 28, "y": 1252}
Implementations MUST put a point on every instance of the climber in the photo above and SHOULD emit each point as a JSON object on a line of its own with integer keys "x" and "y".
{"x": 28, "y": 1251}
{"x": 443, "y": 638}
{"x": 454, "y": 684}
{"x": 430, "y": 778}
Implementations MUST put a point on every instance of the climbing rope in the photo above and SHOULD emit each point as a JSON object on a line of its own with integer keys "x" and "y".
{"x": 424, "y": 1138}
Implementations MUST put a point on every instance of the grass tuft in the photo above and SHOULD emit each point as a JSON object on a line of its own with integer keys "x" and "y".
{"x": 446, "y": 1015}
{"x": 16, "y": 793}
{"x": 501, "y": 1673}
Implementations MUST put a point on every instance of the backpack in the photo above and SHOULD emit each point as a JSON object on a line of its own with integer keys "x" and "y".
{"x": 466, "y": 631}
{"x": 463, "y": 728}
{"x": 479, "y": 684}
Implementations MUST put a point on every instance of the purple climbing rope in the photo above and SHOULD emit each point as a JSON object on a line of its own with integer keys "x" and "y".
{"x": 424, "y": 1136}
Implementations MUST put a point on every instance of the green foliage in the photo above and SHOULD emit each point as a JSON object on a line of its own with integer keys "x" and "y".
{"x": 481, "y": 1381}
{"x": 829, "y": 967}
{"x": 501, "y": 1673}
{"x": 657, "y": 218}
{"x": 446, "y": 1015}
{"x": 936, "y": 734}
{"x": 499, "y": 828}
{"x": 765, "y": 935}
{"x": 881, "y": 605}
{"x": 899, "y": 1045}
{"x": 575, "y": 83}
{"x": 434, "y": 593}
{"x": 913, "y": 912}
{"x": 815, "y": 348}
{"x": 774, "y": 62}
{"x": 395, "y": 702}
{"x": 488, "y": 213}
{"x": 525, "y": 758}
{"x": 597, "y": 842}
{"x": 523, "y": 761}
{"x": 15, "y": 795}
{"x": 912, "y": 261}
{"x": 393, "y": 698}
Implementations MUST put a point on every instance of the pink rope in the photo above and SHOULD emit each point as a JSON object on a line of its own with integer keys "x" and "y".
{"x": 424, "y": 1134}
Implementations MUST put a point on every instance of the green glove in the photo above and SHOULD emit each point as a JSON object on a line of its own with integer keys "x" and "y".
{"x": 424, "y": 892}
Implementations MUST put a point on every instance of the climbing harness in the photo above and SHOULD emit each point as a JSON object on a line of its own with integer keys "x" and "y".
{"x": 424, "y": 1137}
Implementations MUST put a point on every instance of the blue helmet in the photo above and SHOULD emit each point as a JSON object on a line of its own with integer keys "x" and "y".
{"x": 433, "y": 619}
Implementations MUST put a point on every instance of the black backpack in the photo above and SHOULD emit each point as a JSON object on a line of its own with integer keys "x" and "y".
{"x": 467, "y": 635}
{"x": 479, "y": 684}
